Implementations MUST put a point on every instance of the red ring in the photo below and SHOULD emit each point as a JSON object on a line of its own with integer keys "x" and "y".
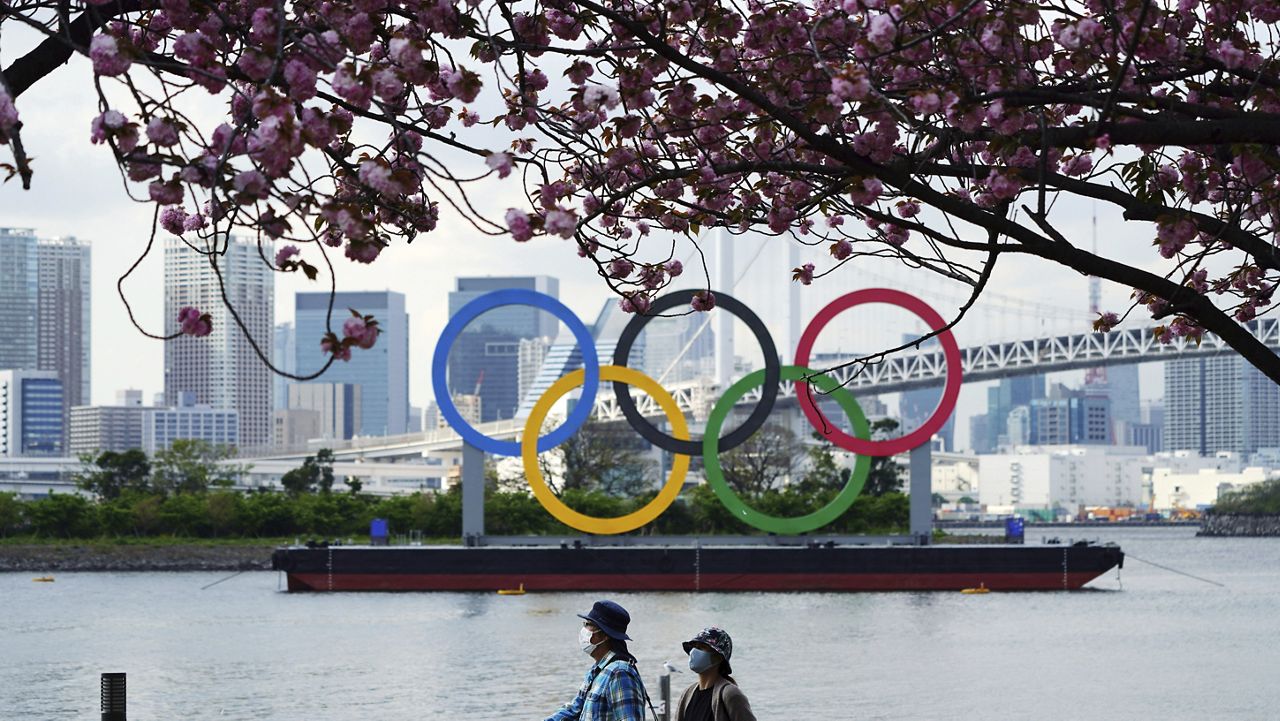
{"x": 950, "y": 394}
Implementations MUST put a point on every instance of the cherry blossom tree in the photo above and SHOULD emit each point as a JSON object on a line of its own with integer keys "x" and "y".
{"x": 940, "y": 133}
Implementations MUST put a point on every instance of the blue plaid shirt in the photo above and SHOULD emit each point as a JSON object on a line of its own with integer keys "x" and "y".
{"x": 610, "y": 692}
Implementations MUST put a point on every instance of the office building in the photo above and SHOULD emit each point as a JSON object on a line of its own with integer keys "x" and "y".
{"x": 31, "y": 418}
{"x": 484, "y": 360}
{"x": 19, "y": 296}
{"x": 337, "y": 407}
{"x": 222, "y": 370}
{"x": 117, "y": 428}
{"x": 294, "y": 427}
{"x": 189, "y": 420}
{"x": 382, "y": 372}
{"x": 284, "y": 355}
{"x": 63, "y": 316}
{"x": 1220, "y": 403}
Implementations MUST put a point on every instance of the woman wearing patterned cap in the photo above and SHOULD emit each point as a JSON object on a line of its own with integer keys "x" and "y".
{"x": 715, "y": 696}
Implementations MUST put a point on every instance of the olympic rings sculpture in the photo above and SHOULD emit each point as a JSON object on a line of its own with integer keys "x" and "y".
{"x": 679, "y": 442}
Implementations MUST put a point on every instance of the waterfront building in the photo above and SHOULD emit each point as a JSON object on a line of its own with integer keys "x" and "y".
{"x": 63, "y": 315}
{"x": 222, "y": 371}
{"x": 1219, "y": 403}
{"x": 484, "y": 360}
{"x": 338, "y": 407}
{"x": 189, "y": 420}
{"x": 382, "y": 372}
{"x": 95, "y": 429}
{"x": 19, "y": 296}
{"x": 1062, "y": 477}
{"x": 32, "y": 422}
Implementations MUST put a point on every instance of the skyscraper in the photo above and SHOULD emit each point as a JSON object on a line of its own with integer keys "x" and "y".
{"x": 1219, "y": 404}
{"x": 284, "y": 355}
{"x": 916, "y": 406}
{"x": 1001, "y": 400}
{"x": 63, "y": 317}
{"x": 485, "y": 359}
{"x": 19, "y": 283}
{"x": 382, "y": 372}
{"x": 222, "y": 370}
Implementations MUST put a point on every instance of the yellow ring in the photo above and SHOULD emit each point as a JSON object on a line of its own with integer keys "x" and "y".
{"x": 581, "y": 521}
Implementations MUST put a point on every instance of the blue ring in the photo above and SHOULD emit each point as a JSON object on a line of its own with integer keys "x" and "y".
{"x": 515, "y": 296}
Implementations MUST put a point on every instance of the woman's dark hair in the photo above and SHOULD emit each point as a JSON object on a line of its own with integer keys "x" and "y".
{"x": 619, "y": 647}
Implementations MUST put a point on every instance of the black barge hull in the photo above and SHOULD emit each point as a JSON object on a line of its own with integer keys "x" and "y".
{"x": 689, "y": 568}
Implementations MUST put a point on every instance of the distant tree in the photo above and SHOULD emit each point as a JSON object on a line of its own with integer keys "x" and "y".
{"x": 1261, "y": 497}
{"x": 886, "y": 475}
{"x": 968, "y": 500}
{"x": 599, "y": 457}
{"x": 10, "y": 514}
{"x": 770, "y": 455}
{"x": 354, "y": 485}
{"x": 315, "y": 474}
{"x": 110, "y": 473}
{"x": 824, "y": 473}
{"x": 938, "y": 499}
{"x": 192, "y": 466}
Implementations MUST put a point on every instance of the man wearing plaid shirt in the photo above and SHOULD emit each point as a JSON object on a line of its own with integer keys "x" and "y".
{"x": 612, "y": 690}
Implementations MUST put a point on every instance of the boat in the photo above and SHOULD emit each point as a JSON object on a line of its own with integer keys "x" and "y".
{"x": 511, "y": 591}
{"x": 43, "y": 579}
{"x": 982, "y": 588}
{"x": 695, "y": 567}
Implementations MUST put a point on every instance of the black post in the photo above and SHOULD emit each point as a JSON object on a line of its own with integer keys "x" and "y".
{"x": 113, "y": 706}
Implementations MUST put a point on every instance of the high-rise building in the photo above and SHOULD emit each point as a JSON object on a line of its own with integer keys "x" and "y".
{"x": 337, "y": 407}
{"x": 63, "y": 326}
{"x": 19, "y": 296}
{"x": 31, "y": 419}
{"x": 1219, "y": 404}
{"x": 532, "y": 352}
{"x": 284, "y": 355}
{"x": 484, "y": 360}
{"x": 1001, "y": 400}
{"x": 382, "y": 372}
{"x": 1070, "y": 417}
{"x": 222, "y": 370}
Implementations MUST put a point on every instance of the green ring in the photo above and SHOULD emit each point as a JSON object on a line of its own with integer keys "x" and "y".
{"x": 765, "y": 522}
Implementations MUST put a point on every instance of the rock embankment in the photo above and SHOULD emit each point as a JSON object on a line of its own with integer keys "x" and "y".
{"x": 38, "y": 558}
{"x": 1240, "y": 524}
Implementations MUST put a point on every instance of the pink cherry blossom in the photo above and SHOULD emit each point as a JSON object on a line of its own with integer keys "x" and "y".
{"x": 194, "y": 323}
{"x": 518, "y": 224}
{"x": 107, "y": 57}
{"x": 285, "y": 254}
{"x": 703, "y": 301}
{"x": 804, "y": 274}
{"x": 501, "y": 162}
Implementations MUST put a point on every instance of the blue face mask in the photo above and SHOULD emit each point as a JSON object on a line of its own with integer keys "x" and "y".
{"x": 700, "y": 660}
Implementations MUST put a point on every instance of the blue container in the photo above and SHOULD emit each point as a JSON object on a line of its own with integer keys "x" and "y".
{"x": 1013, "y": 529}
{"x": 378, "y": 533}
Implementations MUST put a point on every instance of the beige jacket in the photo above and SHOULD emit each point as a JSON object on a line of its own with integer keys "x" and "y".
{"x": 728, "y": 702}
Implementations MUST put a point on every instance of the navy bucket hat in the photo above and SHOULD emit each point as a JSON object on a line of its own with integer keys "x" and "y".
{"x": 610, "y": 618}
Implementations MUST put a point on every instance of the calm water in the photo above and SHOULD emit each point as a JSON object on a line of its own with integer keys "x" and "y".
{"x": 1148, "y": 644}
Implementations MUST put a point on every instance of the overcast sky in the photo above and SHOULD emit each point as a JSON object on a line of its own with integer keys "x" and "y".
{"x": 77, "y": 191}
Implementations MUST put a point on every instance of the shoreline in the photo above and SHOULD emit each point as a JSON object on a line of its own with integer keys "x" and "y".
{"x": 66, "y": 557}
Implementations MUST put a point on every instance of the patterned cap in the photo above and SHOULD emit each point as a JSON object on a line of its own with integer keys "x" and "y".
{"x": 718, "y": 639}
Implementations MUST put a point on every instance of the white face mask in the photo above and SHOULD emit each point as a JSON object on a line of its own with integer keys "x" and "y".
{"x": 584, "y": 640}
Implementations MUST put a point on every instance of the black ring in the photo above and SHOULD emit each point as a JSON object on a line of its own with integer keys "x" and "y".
{"x": 768, "y": 392}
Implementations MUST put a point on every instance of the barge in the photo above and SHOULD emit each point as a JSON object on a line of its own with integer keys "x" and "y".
{"x": 585, "y": 567}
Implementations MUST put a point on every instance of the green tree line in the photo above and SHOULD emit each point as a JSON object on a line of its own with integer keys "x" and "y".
{"x": 185, "y": 492}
